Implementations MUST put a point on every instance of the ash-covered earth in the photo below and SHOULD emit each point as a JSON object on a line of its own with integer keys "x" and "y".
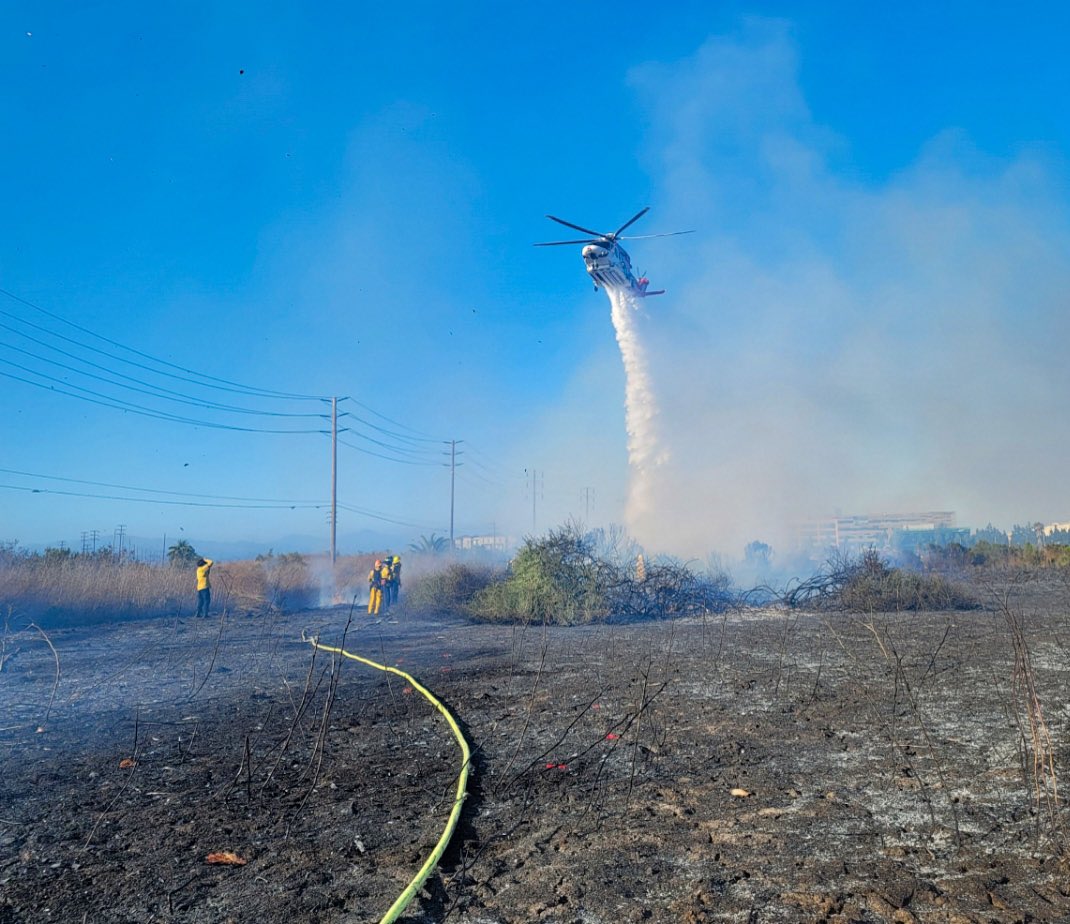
{"x": 764, "y": 765}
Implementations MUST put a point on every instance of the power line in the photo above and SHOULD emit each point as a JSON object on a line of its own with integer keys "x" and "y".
{"x": 156, "y": 391}
{"x": 380, "y": 516}
{"x": 493, "y": 468}
{"x": 392, "y": 448}
{"x": 126, "y": 487}
{"x": 379, "y": 455}
{"x": 119, "y": 404}
{"x": 395, "y": 435}
{"x": 420, "y": 434}
{"x": 154, "y": 500}
{"x": 247, "y": 389}
{"x": 200, "y": 380}
{"x": 244, "y": 502}
{"x": 471, "y": 473}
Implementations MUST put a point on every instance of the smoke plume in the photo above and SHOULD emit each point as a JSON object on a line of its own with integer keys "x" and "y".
{"x": 832, "y": 341}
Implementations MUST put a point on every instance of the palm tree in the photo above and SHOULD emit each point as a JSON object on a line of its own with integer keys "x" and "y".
{"x": 182, "y": 553}
{"x": 430, "y": 545}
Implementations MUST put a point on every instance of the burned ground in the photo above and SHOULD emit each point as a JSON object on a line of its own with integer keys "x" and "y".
{"x": 763, "y": 765}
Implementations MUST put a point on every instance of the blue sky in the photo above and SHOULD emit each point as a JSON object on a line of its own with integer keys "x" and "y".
{"x": 340, "y": 200}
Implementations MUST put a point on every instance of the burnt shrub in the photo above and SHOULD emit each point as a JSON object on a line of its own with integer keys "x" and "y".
{"x": 868, "y": 584}
{"x": 669, "y": 589}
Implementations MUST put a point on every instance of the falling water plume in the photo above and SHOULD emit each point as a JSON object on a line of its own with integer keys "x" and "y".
{"x": 645, "y": 451}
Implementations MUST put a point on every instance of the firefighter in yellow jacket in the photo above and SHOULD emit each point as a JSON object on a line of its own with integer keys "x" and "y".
{"x": 386, "y": 577}
{"x": 204, "y": 586}
{"x": 375, "y": 588}
{"x": 395, "y": 578}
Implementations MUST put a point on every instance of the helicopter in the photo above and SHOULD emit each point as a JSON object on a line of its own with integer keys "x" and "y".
{"x": 608, "y": 263}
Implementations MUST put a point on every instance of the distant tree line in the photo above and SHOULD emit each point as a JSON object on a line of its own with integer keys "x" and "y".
{"x": 12, "y": 552}
{"x": 1025, "y": 544}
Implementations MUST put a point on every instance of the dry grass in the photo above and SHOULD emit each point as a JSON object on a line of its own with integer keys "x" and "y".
{"x": 86, "y": 591}
{"x": 83, "y": 590}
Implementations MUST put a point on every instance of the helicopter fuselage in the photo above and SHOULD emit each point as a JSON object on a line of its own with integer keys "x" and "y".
{"x": 609, "y": 265}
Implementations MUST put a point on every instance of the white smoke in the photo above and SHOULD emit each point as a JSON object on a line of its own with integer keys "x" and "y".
{"x": 647, "y": 452}
{"x": 830, "y": 343}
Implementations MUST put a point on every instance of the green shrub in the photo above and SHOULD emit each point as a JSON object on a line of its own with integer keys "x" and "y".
{"x": 562, "y": 578}
{"x": 556, "y": 579}
{"x": 988, "y": 555}
{"x": 451, "y": 588}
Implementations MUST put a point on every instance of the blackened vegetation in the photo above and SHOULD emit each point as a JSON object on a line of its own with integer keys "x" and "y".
{"x": 672, "y": 589}
{"x": 896, "y": 767}
{"x": 868, "y": 584}
{"x": 564, "y": 578}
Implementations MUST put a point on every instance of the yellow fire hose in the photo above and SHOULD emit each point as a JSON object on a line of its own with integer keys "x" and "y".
{"x": 402, "y": 902}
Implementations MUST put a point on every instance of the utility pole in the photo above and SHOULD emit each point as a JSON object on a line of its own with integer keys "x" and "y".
{"x": 453, "y": 482}
{"x": 334, "y": 479}
{"x": 85, "y": 541}
{"x": 587, "y": 505}
{"x": 534, "y": 483}
{"x": 94, "y": 534}
{"x": 120, "y": 531}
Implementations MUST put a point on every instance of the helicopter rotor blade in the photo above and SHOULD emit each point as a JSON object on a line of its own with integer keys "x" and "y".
{"x": 643, "y": 237}
{"x": 631, "y": 221}
{"x": 559, "y": 243}
{"x": 569, "y": 224}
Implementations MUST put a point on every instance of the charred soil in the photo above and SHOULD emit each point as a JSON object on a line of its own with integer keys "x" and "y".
{"x": 761, "y": 765}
